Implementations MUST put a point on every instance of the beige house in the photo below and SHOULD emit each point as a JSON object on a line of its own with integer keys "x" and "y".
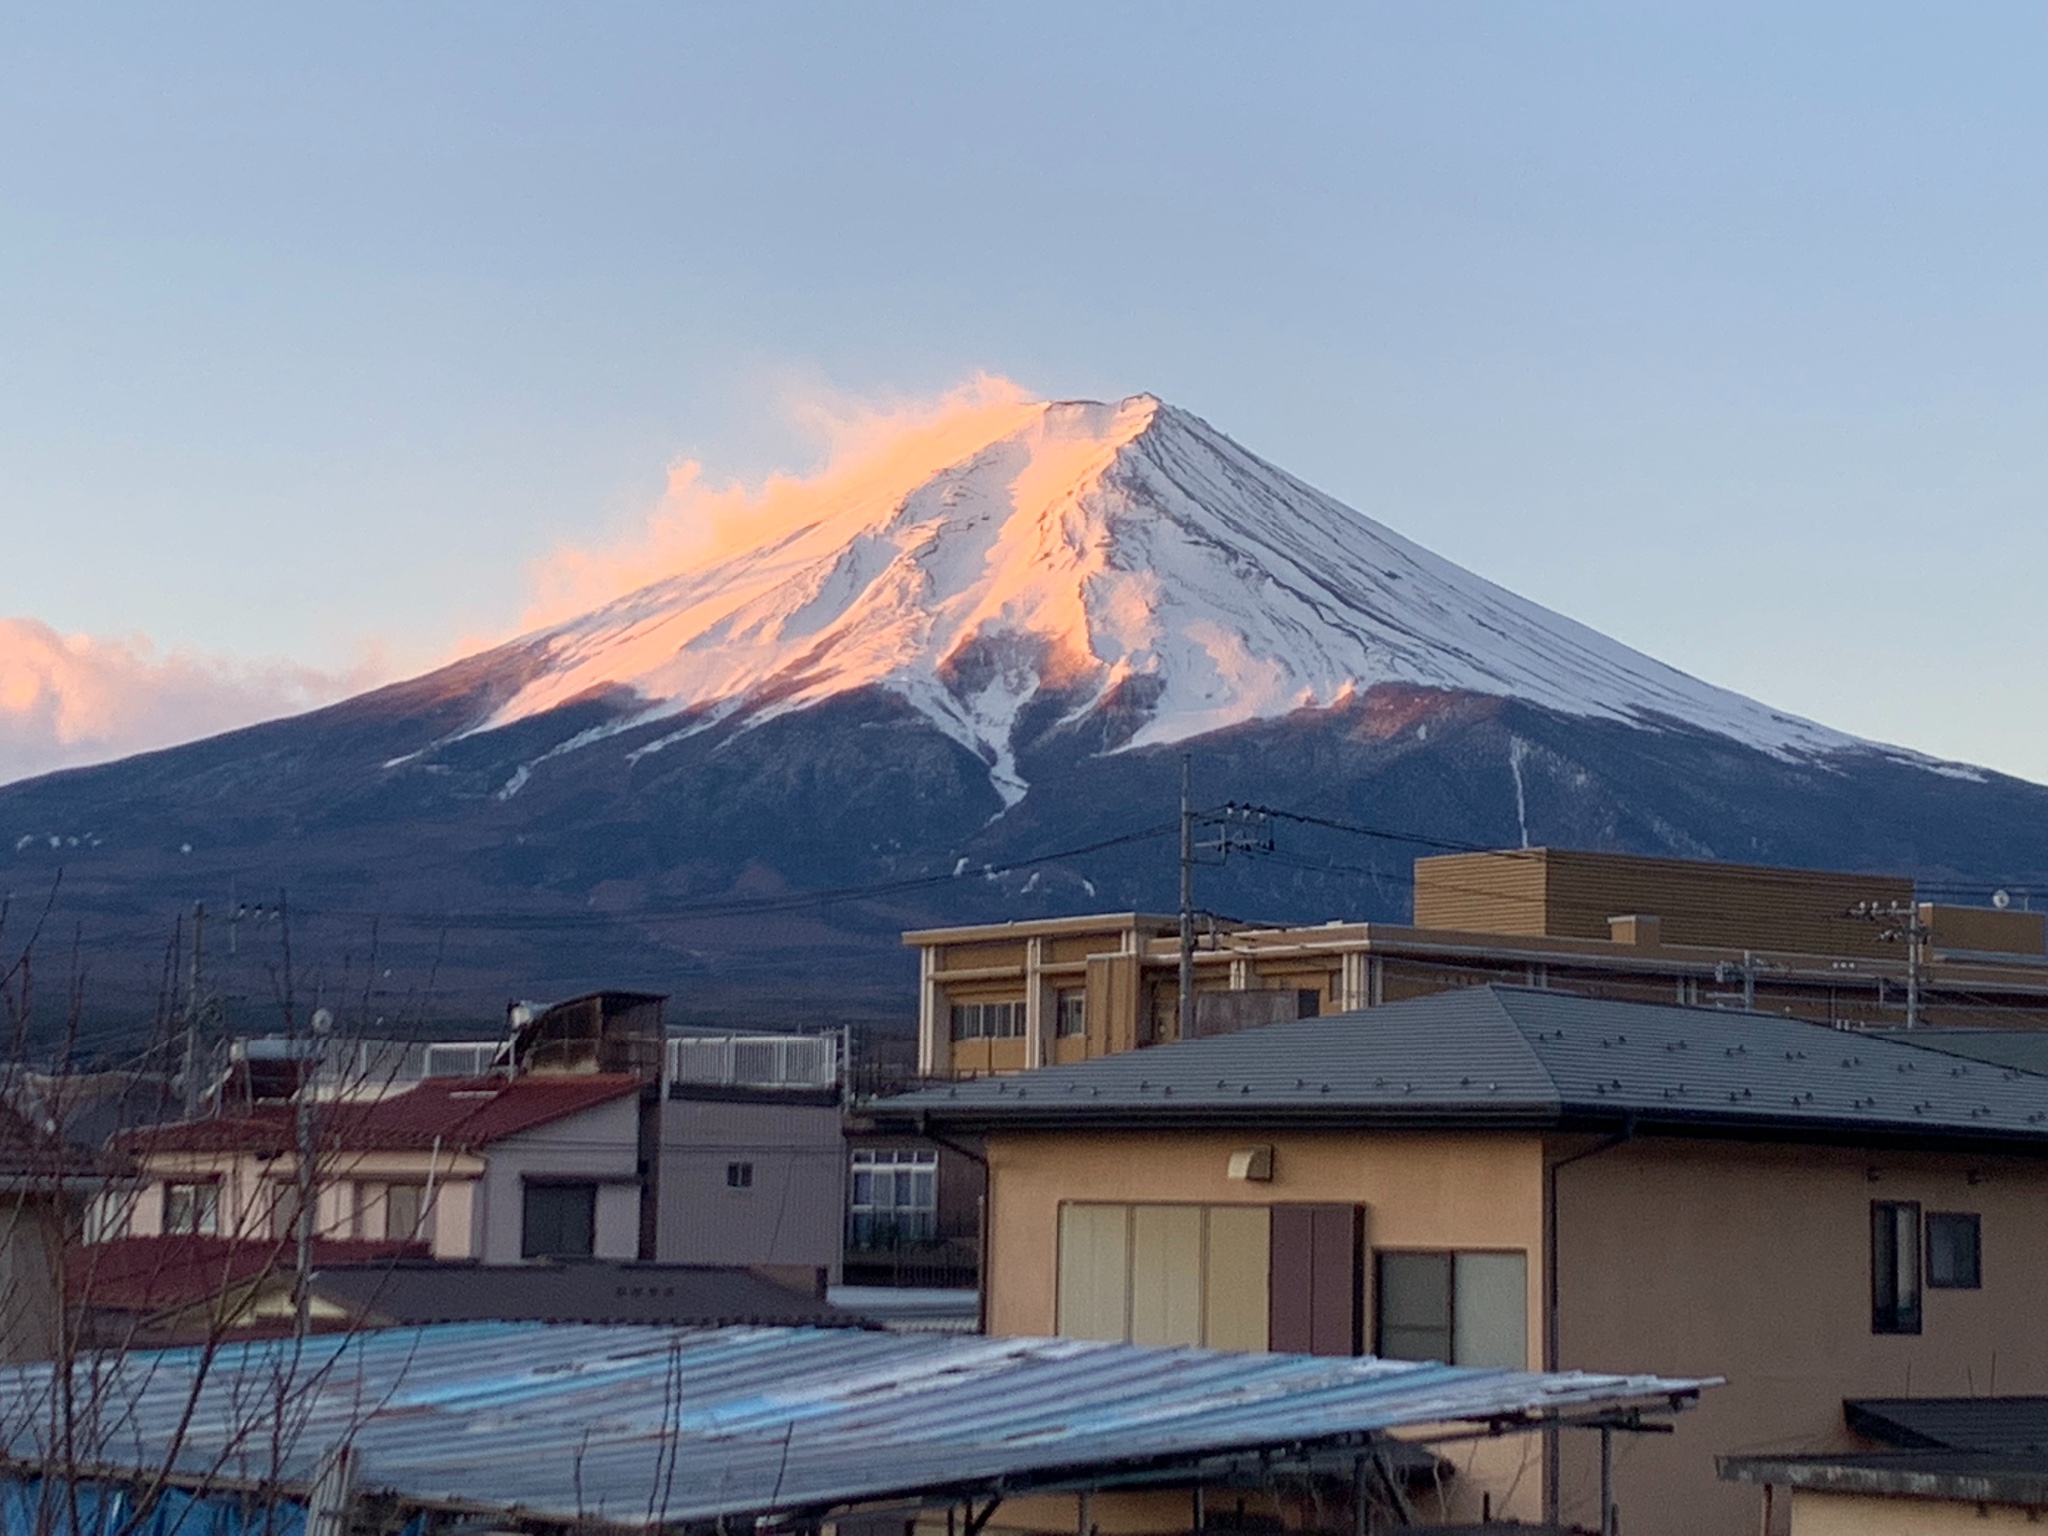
{"x": 1518, "y": 1177}
{"x": 498, "y": 1169}
{"x": 1010, "y": 996}
{"x": 589, "y": 1132}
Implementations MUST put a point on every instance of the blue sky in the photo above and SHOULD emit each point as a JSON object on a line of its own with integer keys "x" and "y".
{"x": 1720, "y": 328}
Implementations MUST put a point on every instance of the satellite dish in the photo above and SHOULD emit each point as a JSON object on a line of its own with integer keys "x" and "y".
{"x": 323, "y": 1020}
{"x": 2001, "y": 899}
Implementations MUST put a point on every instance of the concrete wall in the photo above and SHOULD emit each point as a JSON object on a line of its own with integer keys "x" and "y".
{"x": 1421, "y": 1191}
{"x": 31, "y": 1238}
{"x": 793, "y": 1213}
{"x": 1845, "y": 1514}
{"x": 1753, "y": 1263}
{"x": 600, "y": 1144}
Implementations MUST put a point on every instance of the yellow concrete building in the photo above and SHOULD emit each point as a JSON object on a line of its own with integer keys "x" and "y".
{"x": 1521, "y": 1177}
{"x": 1011, "y": 996}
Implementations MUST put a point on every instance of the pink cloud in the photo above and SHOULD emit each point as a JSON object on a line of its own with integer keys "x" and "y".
{"x": 67, "y": 700}
{"x": 871, "y": 450}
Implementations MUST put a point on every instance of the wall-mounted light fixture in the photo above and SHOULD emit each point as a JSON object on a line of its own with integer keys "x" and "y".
{"x": 1252, "y": 1163}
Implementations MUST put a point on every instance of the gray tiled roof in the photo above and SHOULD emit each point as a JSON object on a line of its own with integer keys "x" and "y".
{"x": 2026, "y": 1049}
{"x": 1985, "y": 1424}
{"x": 1513, "y": 1055}
{"x": 579, "y": 1291}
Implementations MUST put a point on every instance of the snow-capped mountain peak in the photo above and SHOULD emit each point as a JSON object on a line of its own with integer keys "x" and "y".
{"x": 1082, "y": 547}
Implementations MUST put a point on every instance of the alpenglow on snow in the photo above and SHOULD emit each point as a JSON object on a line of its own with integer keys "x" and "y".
{"x": 1080, "y": 549}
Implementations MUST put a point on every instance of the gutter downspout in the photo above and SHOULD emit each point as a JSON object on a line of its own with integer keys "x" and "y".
{"x": 1552, "y": 1446}
{"x": 981, "y": 1225}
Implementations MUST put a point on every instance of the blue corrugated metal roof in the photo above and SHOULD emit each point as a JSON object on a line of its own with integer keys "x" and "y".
{"x": 643, "y": 1425}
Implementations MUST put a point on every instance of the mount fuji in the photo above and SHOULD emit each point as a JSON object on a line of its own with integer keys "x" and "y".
{"x": 887, "y": 703}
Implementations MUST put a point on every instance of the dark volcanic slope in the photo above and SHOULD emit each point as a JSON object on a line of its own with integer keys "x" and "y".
{"x": 419, "y": 888}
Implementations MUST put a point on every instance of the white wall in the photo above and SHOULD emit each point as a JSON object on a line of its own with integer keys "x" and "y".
{"x": 602, "y": 1144}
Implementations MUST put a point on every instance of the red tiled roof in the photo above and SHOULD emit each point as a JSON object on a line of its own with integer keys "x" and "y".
{"x": 161, "y": 1274}
{"x": 456, "y": 1111}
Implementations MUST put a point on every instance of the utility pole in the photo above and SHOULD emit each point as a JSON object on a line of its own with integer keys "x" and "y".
{"x": 1236, "y": 829}
{"x": 1902, "y": 920}
{"x": 190, "y": 1073}
{"x": 1726, "y": 971}
{"x": 1187, "y": 898}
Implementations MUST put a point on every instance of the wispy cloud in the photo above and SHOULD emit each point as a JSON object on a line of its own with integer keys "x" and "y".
{"x": 67, "y": 700}
{"x": 870, "y": 450}
{"x": 71, "y": 700}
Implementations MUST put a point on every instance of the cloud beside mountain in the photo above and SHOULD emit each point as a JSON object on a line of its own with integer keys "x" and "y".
{"x": 69, "y": 700}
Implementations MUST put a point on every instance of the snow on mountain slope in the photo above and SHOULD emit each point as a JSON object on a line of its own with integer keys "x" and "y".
{"x": 1082, "y": 547}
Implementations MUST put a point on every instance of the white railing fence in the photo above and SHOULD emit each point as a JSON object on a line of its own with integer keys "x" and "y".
{"x": 755, "y": 1061}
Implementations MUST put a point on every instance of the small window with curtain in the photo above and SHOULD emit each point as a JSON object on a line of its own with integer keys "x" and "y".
{"x": 1894, "y": 1266}
{"x": 1954, "y": 1251}
{"x": 405, "y": 1210}
{"x": 1073, "y": 1013}
{"x": 1467, "y": 1308}
{"x": 192, "y": 1209}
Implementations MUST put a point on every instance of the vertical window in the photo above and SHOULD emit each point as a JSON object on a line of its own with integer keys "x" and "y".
{"x": 895, "y": 1197}
{"x": 284, "y": 1208}
{"x": 1954, "y": 1251}
{"x": 988, "y": 1021}
{"x": 192, "y": 1209}
{"x": 1073, "y": 1013}
{"x": 560, "y": 1221}
{"x": 404, "y": 1211}
{"x": 1461, "y": 1308}
{"x": 1894, "y": 1266}
{"x": 739, "y": 1175}
{"x": 1415, "y": 1306}
{"x": 110, "y": 1217}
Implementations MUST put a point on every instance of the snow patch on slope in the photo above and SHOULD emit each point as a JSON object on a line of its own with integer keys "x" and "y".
{"x": 1084, "y": 546}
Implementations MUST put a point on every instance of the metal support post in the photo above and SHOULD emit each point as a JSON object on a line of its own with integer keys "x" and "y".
{"x": 1606, "y": 1481}
{"x": 1187, "y": 899}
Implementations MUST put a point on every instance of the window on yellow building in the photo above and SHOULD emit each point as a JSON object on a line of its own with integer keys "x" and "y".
{"x": 1073, "y": 1013}
{"x": 1461, "y": 1308}
{"x": 988, "y": 1021}
{"x": 1955, "y": 1251}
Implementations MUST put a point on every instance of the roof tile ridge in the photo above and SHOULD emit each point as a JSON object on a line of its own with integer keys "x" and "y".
{"x": 1496, "y": 995}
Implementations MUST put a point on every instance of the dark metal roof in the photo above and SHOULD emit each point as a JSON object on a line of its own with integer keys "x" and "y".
{"x": 1520, "y": 1056}
{"x": 587, "y": 1291}
{"x": 1971, "y": 1477}
{"x": 674, "y": 1426}
{"x": 2002, "y": 1424}
{"x": 2023, "y": 1049}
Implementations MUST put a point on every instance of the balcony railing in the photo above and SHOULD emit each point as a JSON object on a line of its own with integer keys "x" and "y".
{"x": 755, "y": 1061}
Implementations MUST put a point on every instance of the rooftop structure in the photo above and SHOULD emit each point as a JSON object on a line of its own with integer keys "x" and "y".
{"x": 411, "y": 1293}
{"x": 1011, "y": 996}
{"x": 1951, "y": 1464}
{"x": 1518, "y": 1057}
